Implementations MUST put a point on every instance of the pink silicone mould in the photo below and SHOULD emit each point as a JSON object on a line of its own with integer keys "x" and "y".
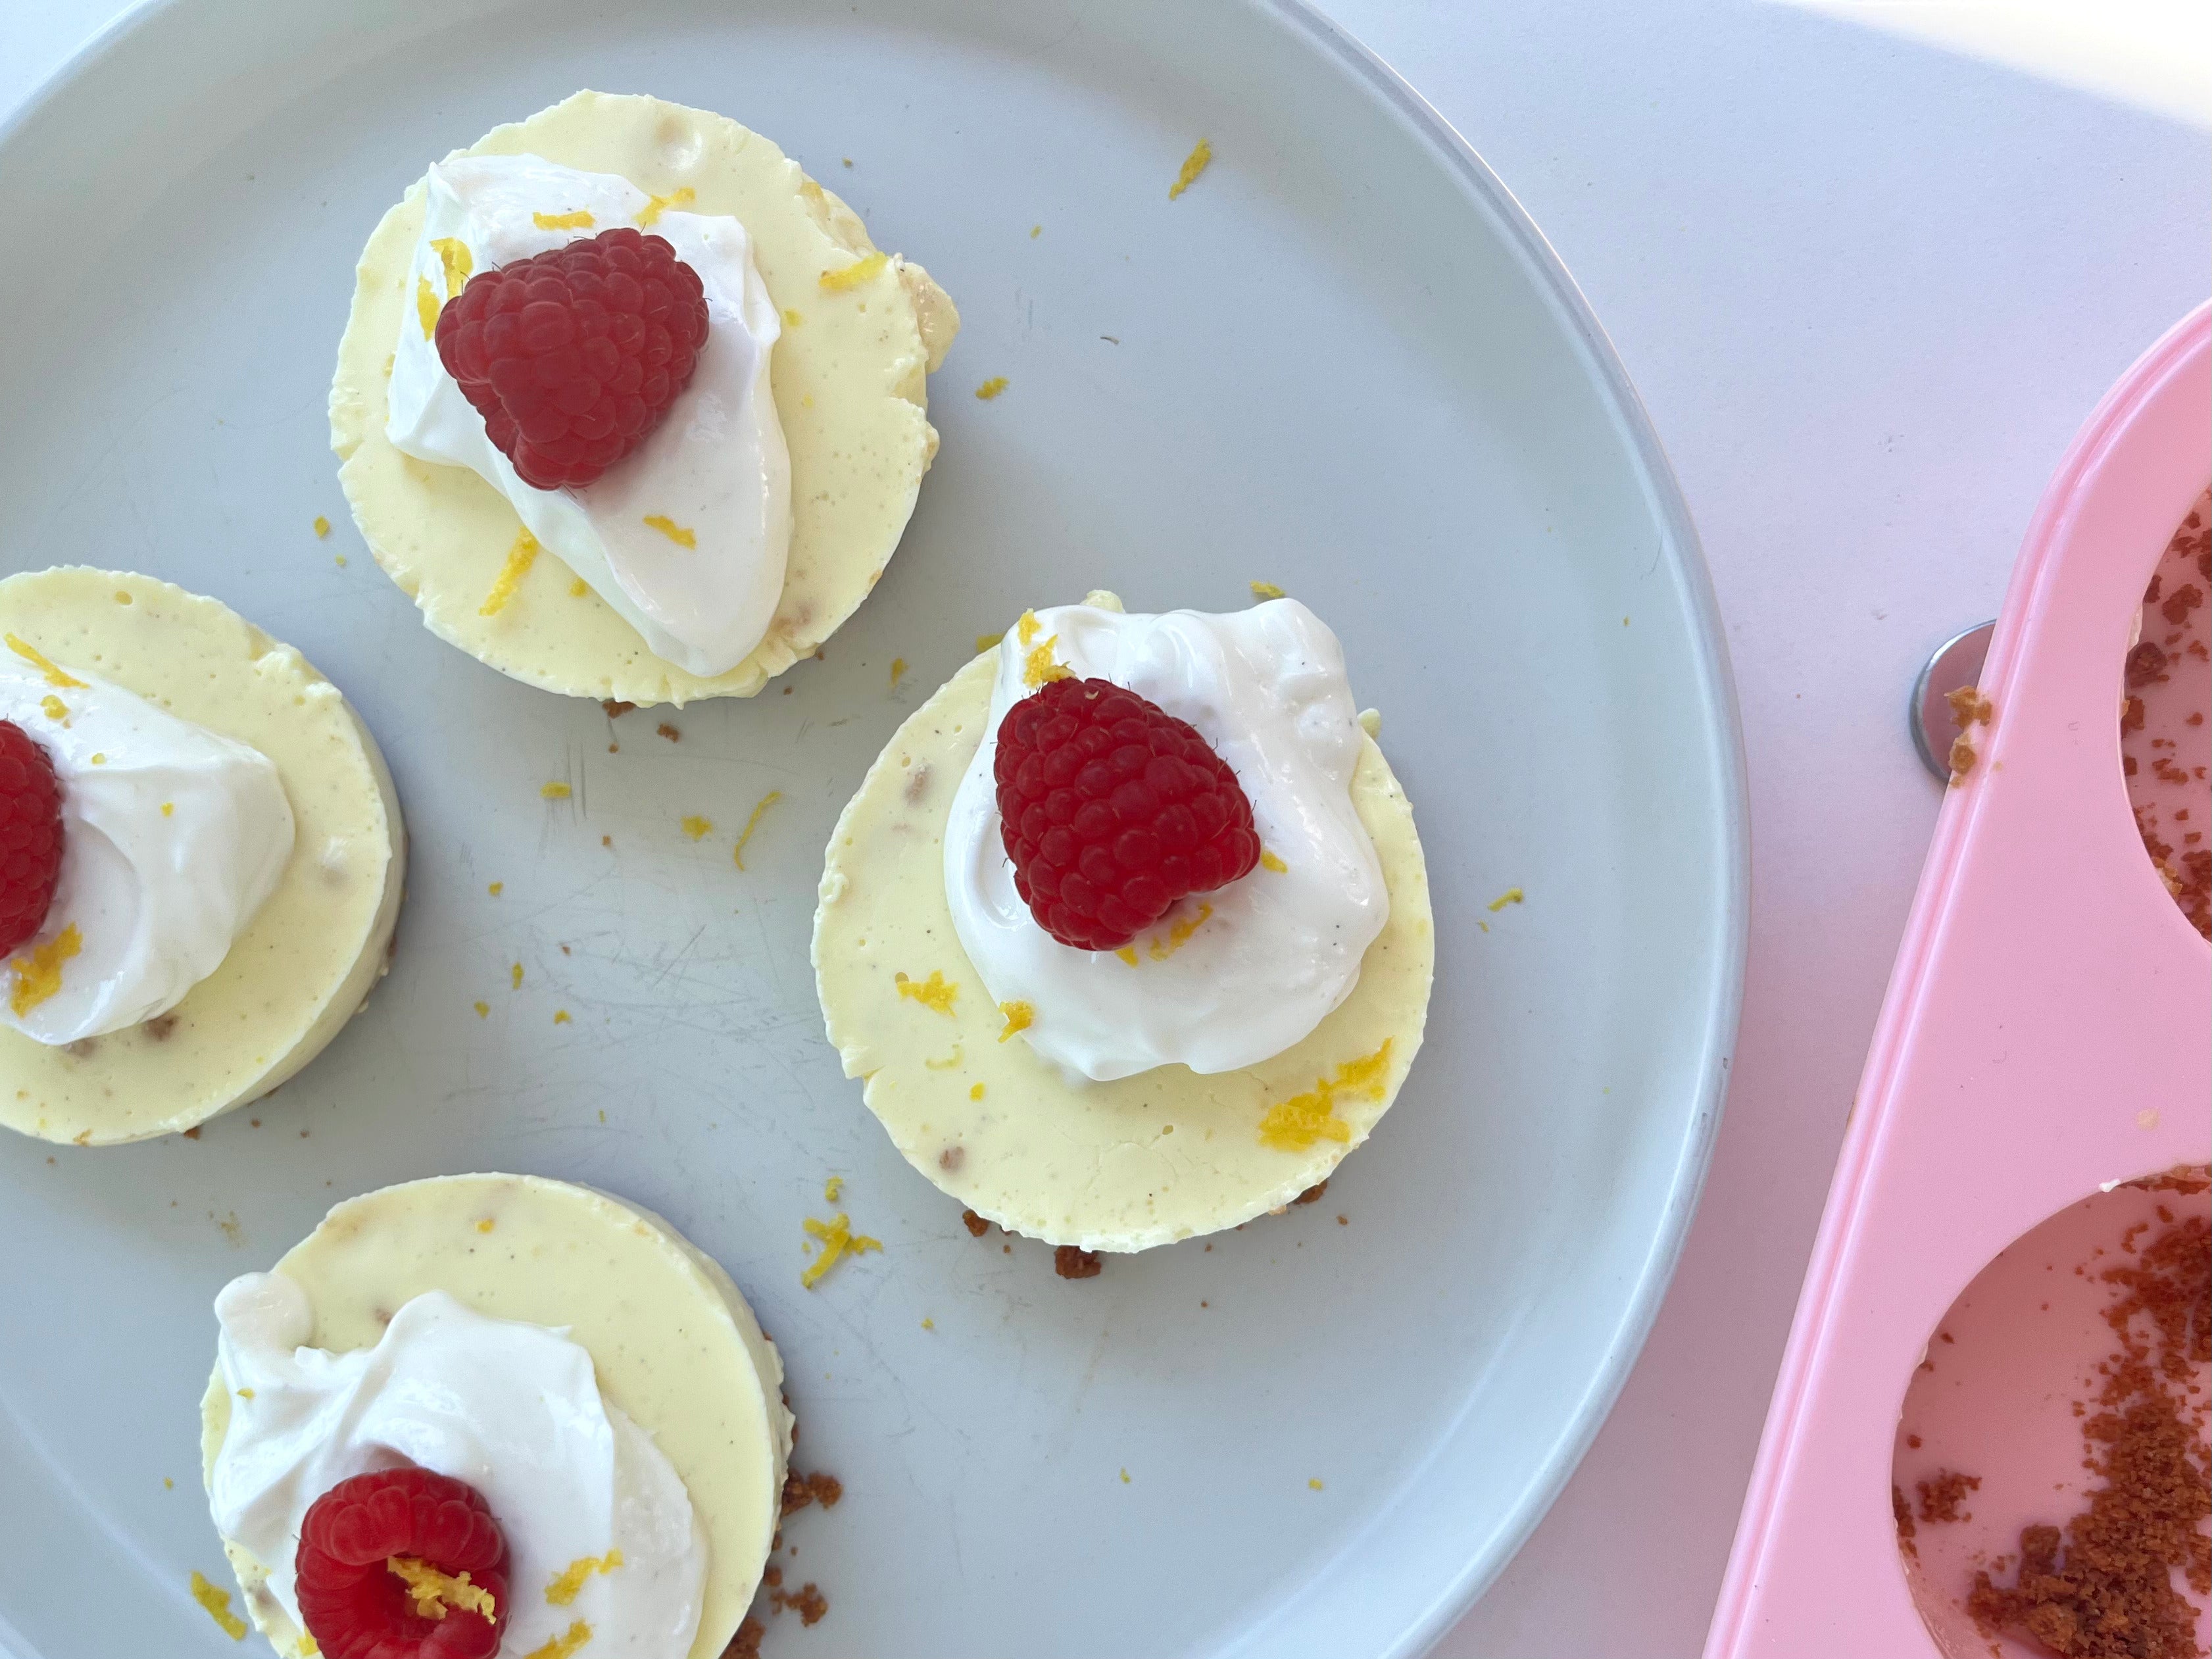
{"x": 2048, "y": 1031}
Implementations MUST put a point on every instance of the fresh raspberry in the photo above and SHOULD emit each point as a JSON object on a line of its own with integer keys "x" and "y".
{"x": 356, "y": 1606}
{"x": 1112, "y": 809}
{"x": 573, "y": 356}
{"x": 30, "y": 835}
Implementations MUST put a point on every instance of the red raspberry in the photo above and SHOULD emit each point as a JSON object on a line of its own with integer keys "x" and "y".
{"x": 356, "y": 1606}
{"x": 30, "y": 835}
{"x": 573, "y": 356}
{"x": 1112, "y": 809}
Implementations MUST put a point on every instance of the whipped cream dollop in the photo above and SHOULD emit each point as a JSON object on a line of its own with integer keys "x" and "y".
{"x": 701, "y": 585}
{"x": 513, "y": 1409}
{"x": 171, "y": 838}
{"x": 1226, "y": 979}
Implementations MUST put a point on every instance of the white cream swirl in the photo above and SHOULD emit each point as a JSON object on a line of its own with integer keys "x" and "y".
{"x": 715, "y": 469}
{"x": 513, "y": 1409}
{"x": 1274, "y": 952}
{"x": 171, "y": 838}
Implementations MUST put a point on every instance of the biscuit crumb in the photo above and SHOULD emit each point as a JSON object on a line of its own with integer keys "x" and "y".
{"x": 974, "y": 1224}
{"x": 800, "y": 1490}
{"x": 1962, "y": 758}
{"x": 615, "y": 708}
{"x": 746, "y": 1644}
{"x": 809, "y": 1604}
{"x": 1070, "y": 1263}
{"x": 1941, "y": 1495}
{"x": 1969, "y": 707}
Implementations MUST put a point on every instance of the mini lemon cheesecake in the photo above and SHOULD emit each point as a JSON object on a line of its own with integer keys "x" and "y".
{"x": 754, "y": 521}
{"x": 234, "y": 855}
{"x": 596, "y": 1377}
{"x": 1045, "y": 1102}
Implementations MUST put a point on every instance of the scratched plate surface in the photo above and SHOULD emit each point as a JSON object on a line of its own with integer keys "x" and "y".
{"x": 1342, "y": 362}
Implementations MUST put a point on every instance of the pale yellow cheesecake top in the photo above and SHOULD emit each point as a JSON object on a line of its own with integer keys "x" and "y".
{"x": 1121, "y": 1166}
{"x": 310, "y": 955}
{"x": 672, "y": 1342}
{"x": 860, "y": 333}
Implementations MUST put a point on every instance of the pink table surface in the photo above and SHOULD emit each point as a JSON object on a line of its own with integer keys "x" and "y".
{"x": 1868, "y": 290}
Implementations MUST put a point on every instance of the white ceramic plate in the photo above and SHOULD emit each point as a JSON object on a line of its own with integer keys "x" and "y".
{"x": 1345, "y": 363}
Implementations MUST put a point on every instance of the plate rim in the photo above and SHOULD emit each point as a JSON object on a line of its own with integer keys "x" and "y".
{"x": 1682, "y": 553}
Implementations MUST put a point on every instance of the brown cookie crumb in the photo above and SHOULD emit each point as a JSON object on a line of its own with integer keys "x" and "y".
{"x": 1969, "y": 707}
{"x": 668, "y": 731}
{"x": 616, "y": 708}
{"x": 800, "y": 1490}
{"x": 193, "y": 1133}
{"x": 1070, "y": 1262}
{"x": 745, "y": 1644}
{"x": 974, "y": 1224}
{"x": 1311, "y": 1194}
{"x": 809, "y": 1604}
{"x": 2102, "y": 1588}
{"x": 1941, "y": 1494}
{"x": 2146, "y": 665}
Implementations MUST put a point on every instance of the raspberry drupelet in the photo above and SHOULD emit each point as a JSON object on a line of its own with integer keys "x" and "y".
{"x": 573, "y": 356}
{"x": 1112, "y": 809}
{"x": 30, "y": 835}
{"x": 400, "y": 1565}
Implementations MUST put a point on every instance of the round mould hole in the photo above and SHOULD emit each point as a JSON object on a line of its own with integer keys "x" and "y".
{"x": 2165, "y": 718}
{"x": 2065, "y": 1389}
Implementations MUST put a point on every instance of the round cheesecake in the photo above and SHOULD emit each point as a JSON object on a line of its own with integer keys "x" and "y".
{"x": 1119, "y": 1165}
{"x": 848, "y": 376}
{"x": 671, "y": 1339}
{"x": 308, "y": 958}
